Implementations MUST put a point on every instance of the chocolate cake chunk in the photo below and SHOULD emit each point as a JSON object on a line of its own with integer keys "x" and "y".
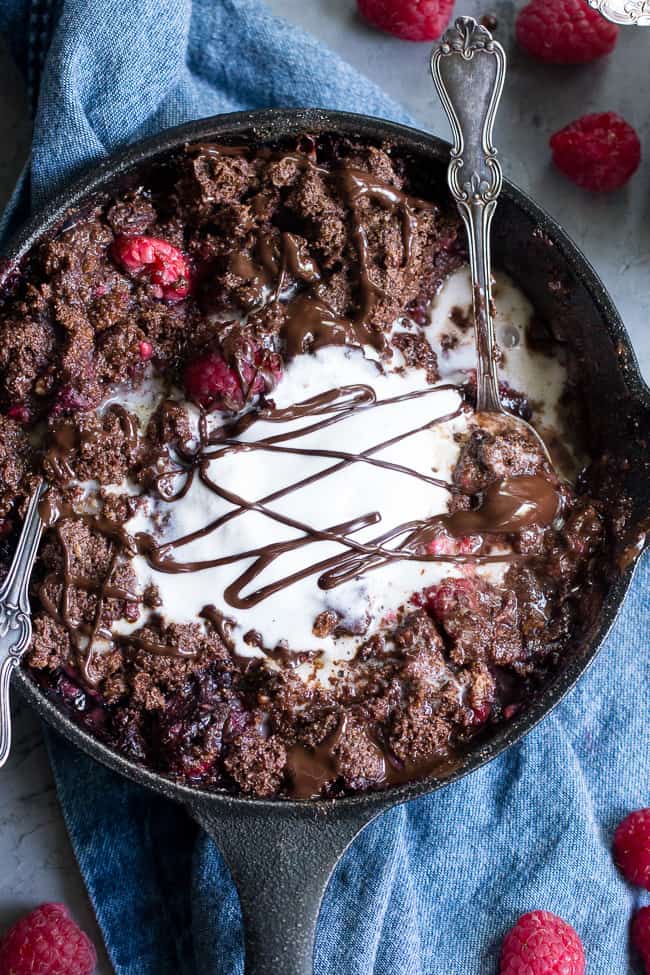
{"x": 14, "y": 461}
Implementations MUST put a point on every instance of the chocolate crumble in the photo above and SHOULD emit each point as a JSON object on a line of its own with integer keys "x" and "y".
{"x": 199, "y": 288}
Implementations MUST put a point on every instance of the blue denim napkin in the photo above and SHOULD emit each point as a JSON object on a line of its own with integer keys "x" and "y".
{"x": 431, "y": 887}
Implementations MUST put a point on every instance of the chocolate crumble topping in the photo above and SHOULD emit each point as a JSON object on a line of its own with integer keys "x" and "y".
{"x": 213, "y": 274}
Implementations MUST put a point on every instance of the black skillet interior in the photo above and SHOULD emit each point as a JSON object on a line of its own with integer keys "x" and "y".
{"x": 282, "y": 853}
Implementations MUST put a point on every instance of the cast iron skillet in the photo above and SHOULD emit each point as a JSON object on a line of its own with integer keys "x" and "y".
{"x": 281, "y": 853}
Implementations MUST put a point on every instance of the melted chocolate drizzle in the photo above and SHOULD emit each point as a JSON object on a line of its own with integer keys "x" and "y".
{"x": 311, "y": 323}
{"x": 310, "y": 770}
{"x": 509, "y": 506}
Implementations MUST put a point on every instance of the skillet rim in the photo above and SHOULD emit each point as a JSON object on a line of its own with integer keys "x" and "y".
{"x": 266, "y": 125}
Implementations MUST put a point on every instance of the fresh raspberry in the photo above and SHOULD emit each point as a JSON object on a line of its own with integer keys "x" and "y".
{"x": 564, "y": 31}
{"x": 145, "y": 350}
{"x": 632, "y": 848}
{"x": 162, "y": 263}
{"x": 542, "y": 943}
{"x": 598, "y": 152}
{"x": 47, "y": 942}
{"x": 640, "y": 935}
{"x": 412, "y": 20}
{"x": 20, "y": 413}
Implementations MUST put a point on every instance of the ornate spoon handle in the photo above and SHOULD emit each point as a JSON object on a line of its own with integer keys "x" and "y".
{"x": 630, "y": 13}
{"x": 468, "y": 69}
{"x": 15, "y": 621}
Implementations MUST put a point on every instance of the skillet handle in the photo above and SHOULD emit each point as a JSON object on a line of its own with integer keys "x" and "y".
{"x": 281, "y": 859}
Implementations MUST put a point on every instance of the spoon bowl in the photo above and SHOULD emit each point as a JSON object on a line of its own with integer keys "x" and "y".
{"x": 469, "y": 69}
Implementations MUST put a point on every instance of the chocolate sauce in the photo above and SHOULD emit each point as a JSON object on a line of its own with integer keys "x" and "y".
{"x": 506, "y": 507}
{"x": 311, "y": 769}
{"x": 257, "y": 276}
{"x": 509, "y": 506}
{"x": 311, "y": 322}
{"x": 359, "y": 185}
{"x": 299, "y": 264}
{"x": 221, "y": 624}
{"x": 283, "y": 654}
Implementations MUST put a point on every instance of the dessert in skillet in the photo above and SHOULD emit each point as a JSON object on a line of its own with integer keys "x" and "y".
{"x": 284, "y": 555}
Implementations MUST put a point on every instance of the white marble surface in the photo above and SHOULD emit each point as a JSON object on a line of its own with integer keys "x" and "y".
{"x": 37, "y": 862}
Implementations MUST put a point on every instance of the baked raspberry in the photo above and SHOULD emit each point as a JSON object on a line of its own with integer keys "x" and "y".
{"x": 481, "y": 713}
{"x": 564, "y": 31}
{"x": 632, "y": 848}
{"x": 70, "y": 400}
{"x": 599, "y": 152}
{"x": 145, "y": 350}
{"x": 20, "y": 413}
{"x": 444, "y": 544}
{"x": 444, "y": 600}
{"x": 419, "y": 312}
{"x": 542, "y": 943}
{"x": 196, "y": 769}
{"x": 412, "y": 20}
{"x": 159, "y": 261}
{"x": 640, "y": 935}
{"x": 47, "y": 942}
{"x": 259, "y": 368}
{"x": 210, "y": 381}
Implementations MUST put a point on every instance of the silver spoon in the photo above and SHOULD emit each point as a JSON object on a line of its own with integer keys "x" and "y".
{"x": 469, "y": 69}
{"x": 629, "y": 13}
{"x": 15, "y": 618}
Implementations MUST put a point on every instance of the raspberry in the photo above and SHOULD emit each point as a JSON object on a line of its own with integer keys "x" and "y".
{"x": 598, "y": 152}
{"x": 162, "y": 263}
{"x": 412, "y": 20}
{"x": 481, "y": 713}
{"x": 641, "y": 935}
{"x": 444, "y": 600}
{"x": 210, "y": 381}
{"x": 70, "y": 400}
{"x": 542, "y": 943}
{"x": 564, "y": 31}
{"x": 418, "y": 311}
{"x": 145, "y": 350}
{"x": 47, "y": 942}
{"x": 20, "y": 413}
{"x": 443, "y": 544}
{"x": 632, "y": 848}
{"x": 196, "y": 769}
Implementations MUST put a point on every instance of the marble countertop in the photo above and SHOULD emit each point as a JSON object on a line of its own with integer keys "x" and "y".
{"x": 614, "y": 232}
